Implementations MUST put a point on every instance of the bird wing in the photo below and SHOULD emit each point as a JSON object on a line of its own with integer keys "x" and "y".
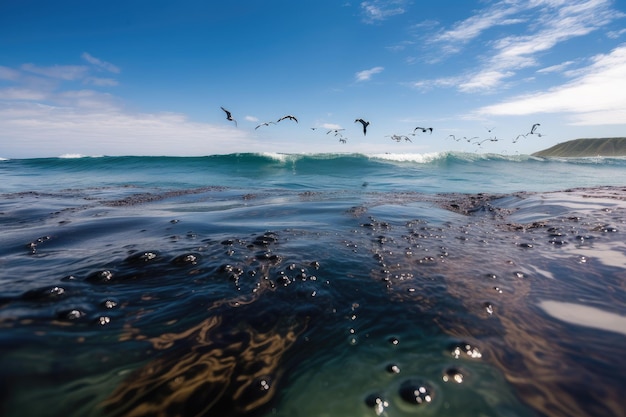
{"x": 288, "y": 117}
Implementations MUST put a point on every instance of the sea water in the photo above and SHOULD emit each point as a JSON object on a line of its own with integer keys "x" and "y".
{"x": 313, "y": 285}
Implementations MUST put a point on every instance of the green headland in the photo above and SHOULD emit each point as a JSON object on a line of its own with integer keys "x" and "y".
{"x": 586, "y": 147}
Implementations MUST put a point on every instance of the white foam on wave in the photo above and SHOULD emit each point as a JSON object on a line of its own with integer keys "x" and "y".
{"x": 280, "y": 157}
{"x": 78, "y": 156}
{"x": 422, "y": 158}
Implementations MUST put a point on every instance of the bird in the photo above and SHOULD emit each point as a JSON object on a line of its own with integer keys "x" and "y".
{"x": 532, "y": 129}
{"x": 364, "y": 123}
{"x": 494, "y": 139}
{"x": 423, "y": 129}
{"x": 288, "y": 117}
{"x": 335, "y": 131}
{"x": 517, "y": 138}
{"x": 229, "y": 116}
{"x": 398, "y": 138}
{"x": 264, "y": 124}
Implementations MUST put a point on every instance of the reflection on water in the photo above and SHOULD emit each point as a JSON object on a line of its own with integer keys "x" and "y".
{"x": 375, "y": 304}
{"x": 582, "y": 315}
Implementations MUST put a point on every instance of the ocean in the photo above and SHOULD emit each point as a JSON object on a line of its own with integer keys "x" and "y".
{"x": 313, "y": 285}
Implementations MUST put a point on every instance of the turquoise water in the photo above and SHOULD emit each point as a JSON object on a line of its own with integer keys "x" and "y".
{"x": 312, "y": 285}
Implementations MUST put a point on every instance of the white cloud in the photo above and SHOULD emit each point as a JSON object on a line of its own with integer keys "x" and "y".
{"x": 60, "y": 72}
{"x": 8, "y": 74}
{"x": 367, "y": 74}
{"x": 485, "y": 80}
{"x": 40, "y": 116}
{"x": 556, "y": 68}
{"x": 616, "y": 33}
{"x": 100, "y": 64}
{"x": 590, "y": 99}
{"x": 17, "y": 93}
{"x": 547, "y": 23}
{"x": 31, "y": 129}
{"x": 101, "y": 82}
{"x": 378, "y": 10}
{"x": 472, "y": 27}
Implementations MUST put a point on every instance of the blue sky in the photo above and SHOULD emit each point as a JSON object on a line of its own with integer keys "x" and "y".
{"x": 149, "y": 77}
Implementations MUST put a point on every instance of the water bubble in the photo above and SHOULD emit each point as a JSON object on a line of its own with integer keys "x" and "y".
{"x": 393, "y": 340}
{"x": 488, "y": 307}
{"x": 44, "y": 294}
{"x": 104, "y": 320}
{"x": 73, "y": 314}
{"x": 377, "y": 402}
{"x": 109, "y": 304}
{"x": 141, "y": 257}
{"x": 185, "y": 259}
{"x": 416, "y": 391}
{"x": 463, "y": 349}
{"x": 100, "y": 276}
{"x": 453, "y": 374}
{"x": 392, "y": 368}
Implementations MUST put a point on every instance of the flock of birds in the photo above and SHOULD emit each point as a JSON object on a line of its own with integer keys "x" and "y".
{"x": 476, "y": 140}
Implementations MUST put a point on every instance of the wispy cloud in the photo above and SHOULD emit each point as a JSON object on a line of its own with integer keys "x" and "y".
{"x": 8, "y": 74}
{"x": 100, "y": 64}
{"x": 59, "y": 72}
{"x": 366, "y": 75}
{"x": 110, "y": 132}
{"x": 546, "y": 23}
{"x": 556, "y": 68}
{"x": 467, "y": 30}
{"x": 614, "y": 34}
{"x": 41, "y": 104}
{"x": 591, "y": 99}
{"x": 378, "y": 10}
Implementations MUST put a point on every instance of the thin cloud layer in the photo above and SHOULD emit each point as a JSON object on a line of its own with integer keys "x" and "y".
{"x": 367, "y": 74}
{"x": 44, "y": 113}
{"x": 591, "y": 99}
{"x": 98, "y": 63}
{"x": 541, "y": 25}
{"x": 379, "y": 10}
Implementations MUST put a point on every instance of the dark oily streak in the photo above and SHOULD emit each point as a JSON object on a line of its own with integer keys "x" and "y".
{"x": 143, "y": 198}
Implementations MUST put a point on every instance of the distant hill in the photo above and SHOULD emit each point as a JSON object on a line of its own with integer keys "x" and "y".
{"x": 586, "y": 147}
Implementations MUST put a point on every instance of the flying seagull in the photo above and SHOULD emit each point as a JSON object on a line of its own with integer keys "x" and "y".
{"x": 479, "y": 143}
{"x": 288, "y": 117}
{"x": 229, "y": 116}
{"x": 423, "y": 129}
{"x": 364, "y": 123}
{"x": 517, "y": 138}
{"x": 532, "y": 129}
{"x": 264, "y": 124}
